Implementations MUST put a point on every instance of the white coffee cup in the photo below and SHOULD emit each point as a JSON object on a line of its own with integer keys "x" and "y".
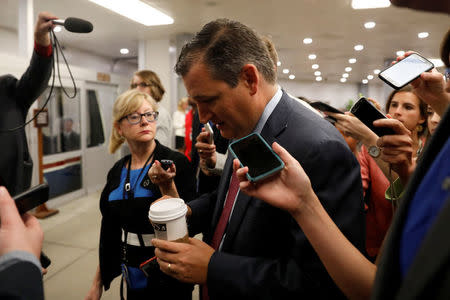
{"x": 168, "y": 218}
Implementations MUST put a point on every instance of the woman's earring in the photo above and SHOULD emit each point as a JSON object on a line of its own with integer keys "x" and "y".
{"x": 419, "y": 128}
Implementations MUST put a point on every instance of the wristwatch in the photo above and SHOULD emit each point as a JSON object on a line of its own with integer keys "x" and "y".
{"x": 374, "y": 151}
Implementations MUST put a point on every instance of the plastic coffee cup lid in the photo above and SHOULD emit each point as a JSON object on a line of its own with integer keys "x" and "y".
{"x": 167, "y": 210}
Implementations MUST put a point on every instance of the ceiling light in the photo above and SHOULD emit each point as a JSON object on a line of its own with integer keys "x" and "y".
{"x": 57, "y": 29}
{"x": 137, "y": 11}
{"x": 370, "y": 77}
{"x": 365, "y": 81}
{"x": 345, "y": 75}
{"x": 423, "y": 35}
{"x": 285, "y": 71}
{"x": 318, "y": 78}
{"x": 312, "y": 56}
{"x": 317, "y": 73}
{"x": 400, "y": 53}
{"x": 315, "y": 66}
{"x": 376, "y": 71}
{"x": 307, "y": 41}
{"x": 358, "y": 47}
{"x": 436, "y": 62}
{"x": 343, "y": 79}
{"x": 278, "y": 63}
{"x": 348, "y": 69}
{"x": 291, "y": 77}
{"x": 124, "y": 51}
{"x": 352, "y": 60}
{"x": 365, "y": 4}
{"x": 370, "y": 25}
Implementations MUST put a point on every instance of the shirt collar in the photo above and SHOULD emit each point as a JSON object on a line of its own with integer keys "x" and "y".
{"x": 268, "y": 110}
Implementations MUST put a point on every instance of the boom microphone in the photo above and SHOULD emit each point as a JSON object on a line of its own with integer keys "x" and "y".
{"x": 75, "y": 25}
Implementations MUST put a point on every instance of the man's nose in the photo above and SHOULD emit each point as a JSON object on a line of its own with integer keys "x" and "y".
{"x": 204, "y": 114}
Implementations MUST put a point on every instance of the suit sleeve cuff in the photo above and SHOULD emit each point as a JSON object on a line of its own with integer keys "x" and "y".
{"x": 13, "y": 257}
{"x": 44, "y": 51}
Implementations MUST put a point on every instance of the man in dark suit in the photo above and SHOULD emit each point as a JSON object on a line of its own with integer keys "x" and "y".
{"x": 16, "y": 97}
{"x": 260, "y": 253}
{"x": 20, "y": 246}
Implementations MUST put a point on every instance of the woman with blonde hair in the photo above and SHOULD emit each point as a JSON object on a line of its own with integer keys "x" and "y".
{"x": 133, "y": 183}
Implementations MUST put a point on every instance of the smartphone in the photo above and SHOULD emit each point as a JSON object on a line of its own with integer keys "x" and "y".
{"x": 366, "y": 112}
{"x": 32, "y": 198}
{"x": 166, "y": 163}
{"x": 325, "y": 107}
{"x": 403, "y": 72}
{"x": 254, "y": 152}
{"x": 209, "y": 129}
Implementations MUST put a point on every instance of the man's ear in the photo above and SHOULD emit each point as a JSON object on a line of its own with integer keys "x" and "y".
{"x": 250, "y": 77}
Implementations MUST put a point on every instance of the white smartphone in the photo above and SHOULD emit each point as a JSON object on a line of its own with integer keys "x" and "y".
{"x": 405, "y": 71}
{"x": 209, "y": 129}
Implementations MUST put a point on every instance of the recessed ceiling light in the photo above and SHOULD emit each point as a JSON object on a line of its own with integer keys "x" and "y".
{"x": 366, "y": 4}
{"x": 318, "y": 78}
{"x": 345, "y": 75}
{"x": 370, "y": 25}
{"x": 291, "y": 76}
{"x": 400, "y": 53}
{"x": 124, "y": 51}
{"x": 352, "y": 60}
{"x": 343, "y": 79}
{"x": 285, "y": 71}
{"x": 348, "y": 69}
{"x": 278, "y": 63}
{"x": 437, "y": 62}
{"x": 307, "y": 40}
{"x": 376, "y": 71}
{"x": 423, "y": 35}
{"x": 365, "y": 81}
{"x": 137, "y": 11}
{"x": 312, "y": 56}
{"x": 57, "y": 29}
{"x": 358, "y": 47}
{"x": 317, "y": 73}
{"x": 370, "y": 77}
{"x": 315, "y": 66}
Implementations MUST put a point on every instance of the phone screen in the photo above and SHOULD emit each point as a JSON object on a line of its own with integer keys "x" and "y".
{"x": 253, "y": 152}
{"x": 405, "y": 71}
{"x": 366, "y": 112}
{"x": 32, "y": 198}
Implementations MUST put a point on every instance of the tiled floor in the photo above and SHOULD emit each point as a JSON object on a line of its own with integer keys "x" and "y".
{"x": 71, "y": 242}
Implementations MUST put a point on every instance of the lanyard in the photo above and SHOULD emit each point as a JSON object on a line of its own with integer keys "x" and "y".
{"x": 127, "y": 187}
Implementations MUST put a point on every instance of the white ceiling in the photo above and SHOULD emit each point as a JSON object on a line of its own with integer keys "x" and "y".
{"x": 332, "y": 24}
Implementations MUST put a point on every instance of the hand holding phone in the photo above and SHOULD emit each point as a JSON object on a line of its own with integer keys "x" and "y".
{"x": 209, "y": 129}
{"x": 254, "y": 152}
{"x": 166, "y": 163}
{"x": 32, "y": 198}
{"x": 403, "y": 72}
{"x": 367, "y": 113}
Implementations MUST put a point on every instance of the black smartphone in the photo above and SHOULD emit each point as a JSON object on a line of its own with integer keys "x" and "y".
{"x": 166, "y": 163}
{"x": 254, "y": 153}
{"x": 325, "y": 107}
{"x": 32, "y": 198}
{"x": 403, "y": 72}
{"x": 366, "y": 112}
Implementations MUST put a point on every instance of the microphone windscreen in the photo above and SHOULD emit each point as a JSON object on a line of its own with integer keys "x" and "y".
{"x": 78, "y": 25}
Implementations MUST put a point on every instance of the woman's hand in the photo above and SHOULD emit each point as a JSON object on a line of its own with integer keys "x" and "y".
{"x": 95, "y": 293}
{"x": 288, "y": 190}
{"x": 164, "y": 178}
{"x": 352, "y": 126}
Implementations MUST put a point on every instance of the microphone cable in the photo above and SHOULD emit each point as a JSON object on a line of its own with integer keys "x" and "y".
{"x": 56, "y": 49}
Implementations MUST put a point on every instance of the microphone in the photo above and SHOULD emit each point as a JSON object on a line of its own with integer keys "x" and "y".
{"x": 75, "y": 25}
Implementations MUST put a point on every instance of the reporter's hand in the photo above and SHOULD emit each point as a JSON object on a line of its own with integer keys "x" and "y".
{"x": 397, "y": 149}
{"x": 289, "y": 190}
{"x": 159, "y": 176}
{"x": 206, "y": 151}
{"x": 430, "y": 87}
{"x": 43, "y": 26}
{"x": 95, "y": 293}
{"x": 17, "y": 232}
{"x": 352, "y": 126}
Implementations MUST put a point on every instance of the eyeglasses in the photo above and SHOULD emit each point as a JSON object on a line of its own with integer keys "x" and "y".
{"x": 136, "y": 118}
{"x": 141, "y": 84}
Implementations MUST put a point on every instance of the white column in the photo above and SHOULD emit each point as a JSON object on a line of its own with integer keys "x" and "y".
{"x": 25, "y": 28}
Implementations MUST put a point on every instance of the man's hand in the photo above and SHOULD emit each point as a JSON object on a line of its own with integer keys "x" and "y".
{"x": 17, "y": 232}
{"x": 43, "y": 26}
{"x": 397, "y": 149}
{"x": 185, "y": 262}
{"x": 206, "y": 151}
